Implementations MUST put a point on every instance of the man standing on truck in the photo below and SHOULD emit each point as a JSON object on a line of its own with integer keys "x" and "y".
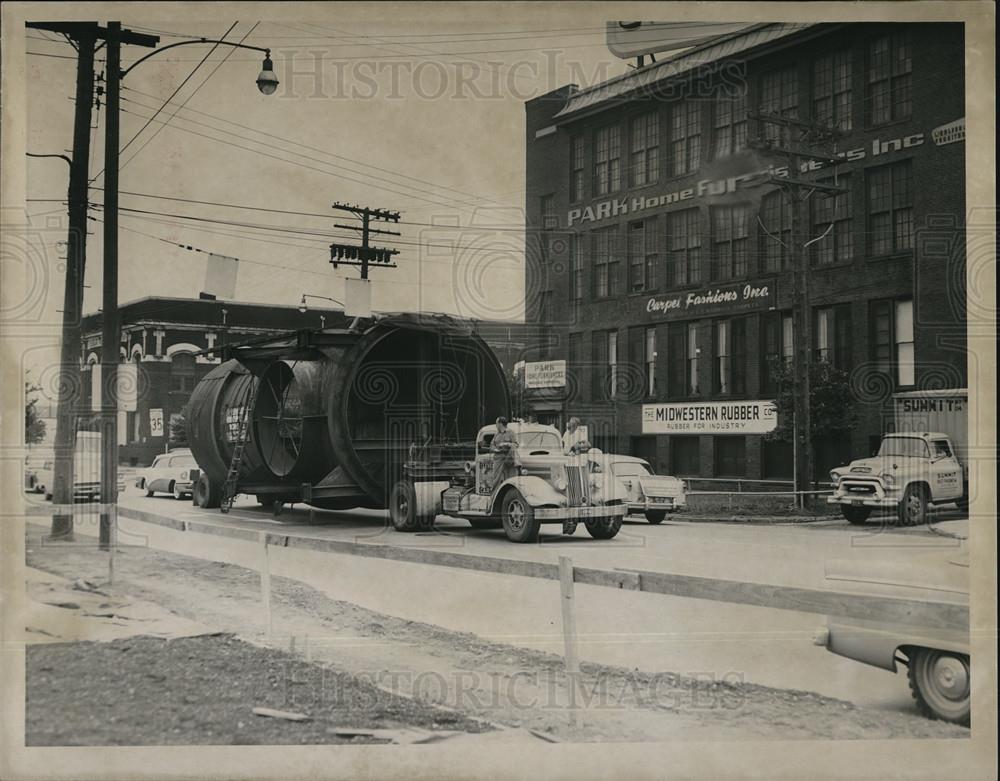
{"x": 575, "y": 439}
{"x": 504, "y": 450}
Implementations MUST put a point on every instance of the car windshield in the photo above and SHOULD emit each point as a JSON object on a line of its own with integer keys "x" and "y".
{"x": 183, "y": 461}
{"x": 544, "y": 440}
{"x": 903, "y": 447}
{"x": 631, "y": 469}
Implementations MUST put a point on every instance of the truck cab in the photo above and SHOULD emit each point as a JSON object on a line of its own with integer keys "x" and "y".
{"x": 546, "y": 487}
{"x": 910, "y": 472}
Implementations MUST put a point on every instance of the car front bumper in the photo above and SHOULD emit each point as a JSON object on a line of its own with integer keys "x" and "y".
{"x": 547, "y": 514}
{"x": 658, "y": 503}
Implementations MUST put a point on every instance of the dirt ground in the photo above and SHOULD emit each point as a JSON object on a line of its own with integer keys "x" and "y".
{"x": 484, "y": 681}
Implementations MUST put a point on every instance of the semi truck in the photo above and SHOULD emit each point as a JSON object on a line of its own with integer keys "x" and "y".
{"x": 920, "y": 463}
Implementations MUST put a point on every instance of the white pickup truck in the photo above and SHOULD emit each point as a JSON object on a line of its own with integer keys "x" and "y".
{"x": 923, "y": 462}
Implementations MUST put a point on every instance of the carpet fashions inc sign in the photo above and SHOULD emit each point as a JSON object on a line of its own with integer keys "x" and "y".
{"x": 545, "y": 374}
{"x": 715, "y": 300}
{"x": 710, "y": 417}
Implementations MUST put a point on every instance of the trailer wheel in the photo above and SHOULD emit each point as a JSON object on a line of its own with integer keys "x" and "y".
{"x": 206, "y": 493}
{"x": 265, "y": 500}
{"x": 604, "y": 528}
{"x": 519, "y": 521}
{"x": 939, "y": 681}
{"x": 403, "y": 509}
{"x": 855, "y": 515}
{"x": 913, "y": 507}
{"x": 656, "y": 516}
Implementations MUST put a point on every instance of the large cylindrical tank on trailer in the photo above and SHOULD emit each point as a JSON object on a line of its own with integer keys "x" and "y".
{"x": 341, "y": 414}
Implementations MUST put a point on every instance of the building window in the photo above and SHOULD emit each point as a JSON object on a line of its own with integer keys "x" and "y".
{"x": 730, "y": 241}
{"x": 642, "y": 359}
{"x": 607, "y": 160}
{"x": 605, "y": 255}
{"x": 779, "y": 95}
{"x": 574, "y": 350}
{"x": 182, "y": 372}
{"x": 833, "y": 211}
{"x": 892, "y": 348}
{"x": 778, "y": 460}
{"x": 777, "y": 348}
{"x": 684, "y": 248}
{"x": 685, "y": 137}
{"x": 577, "y": 169}
{"x": 645, "y": 149}
{"x": 612, "y": 372}
{"x": 692, "y": 359}
{"x": 682, "y": 368}
{"x": 547, "y": 208}
{"x": 730, "y": 456}
{"x": 890, "y": 208}
{"x": 643, "y": 256}
{"x": 832, "y": 336}
{"x": 576, "y": 267}
{"x": 776, "y": 231}
{"x": 650, "y": 361}
{"x": 730, "y": 124}
{"x": 604, "y": 379}
{"x": 889, "y": 95}
{"x": 685, "y": 456}
{"x": 729, "y": 375}
{"x": 832, "y": 90}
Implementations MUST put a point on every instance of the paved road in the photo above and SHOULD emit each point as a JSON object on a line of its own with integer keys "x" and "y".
{"x": 635, "y": 630}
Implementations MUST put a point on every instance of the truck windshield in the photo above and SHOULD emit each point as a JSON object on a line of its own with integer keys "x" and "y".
{"x": 539, "y": 440}
{"x": 903, "y": 447}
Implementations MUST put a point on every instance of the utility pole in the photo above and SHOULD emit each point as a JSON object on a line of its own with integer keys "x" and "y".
{"x": 798, "y": 191}
{"x": 84, "y": 36}
{"x": 350, "y": 255}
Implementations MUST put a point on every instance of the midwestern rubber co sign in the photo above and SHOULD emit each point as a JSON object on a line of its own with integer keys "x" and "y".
{"x": 723, "y": 299}
{"x": 710, "y": 417}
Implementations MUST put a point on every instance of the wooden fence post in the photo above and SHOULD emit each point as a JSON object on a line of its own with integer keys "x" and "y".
{"x": 569, "y": 631}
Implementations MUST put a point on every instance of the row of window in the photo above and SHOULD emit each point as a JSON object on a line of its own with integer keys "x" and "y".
{"x": 888, "y": 98}
{"x": 679, "y": 347}
{"x": 680, "y": 255}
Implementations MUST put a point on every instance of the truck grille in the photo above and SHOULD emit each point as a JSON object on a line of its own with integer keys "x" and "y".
{"x": 577, "y": 486}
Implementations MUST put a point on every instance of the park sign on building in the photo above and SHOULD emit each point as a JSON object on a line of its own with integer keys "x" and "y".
{"x": 710, "y": 417}
{"x": 545, "y": 374}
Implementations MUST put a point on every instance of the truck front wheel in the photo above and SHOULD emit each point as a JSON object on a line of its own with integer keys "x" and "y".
{"x": 403, "y": 509}
{"x": 855, "y": 515}
{"x": 939, "y": 681}
{"x": 913, "y": 507}
{"x": 519, "y": 522}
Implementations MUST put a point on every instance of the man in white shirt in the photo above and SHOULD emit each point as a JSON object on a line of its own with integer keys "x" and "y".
{"x": 575, "y": 439}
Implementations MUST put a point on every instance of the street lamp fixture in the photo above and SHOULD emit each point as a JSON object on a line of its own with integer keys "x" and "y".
{"x": 302, "y": 304}
{"x": 267, "y": 81}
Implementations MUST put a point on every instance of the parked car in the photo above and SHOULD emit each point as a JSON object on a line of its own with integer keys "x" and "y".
{"x": 937, "y": 659}
{"x": 652, "y": 495}
{"x": 86, "y": 469}
{"x": 170, "y": 473}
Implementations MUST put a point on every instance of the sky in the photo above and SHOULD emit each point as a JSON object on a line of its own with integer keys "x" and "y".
{"x": 405, "y": 108}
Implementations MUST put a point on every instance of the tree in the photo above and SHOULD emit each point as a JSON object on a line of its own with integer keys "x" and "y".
{"x": 34, "y": 426}
{"x": 831, "y": 404}
{"x": 178, "y": 428}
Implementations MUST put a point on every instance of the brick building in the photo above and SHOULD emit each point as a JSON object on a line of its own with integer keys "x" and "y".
{"x": 658, "y": 258}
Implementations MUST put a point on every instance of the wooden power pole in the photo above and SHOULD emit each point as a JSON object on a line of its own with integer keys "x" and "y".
{"x": 351, "y": 255}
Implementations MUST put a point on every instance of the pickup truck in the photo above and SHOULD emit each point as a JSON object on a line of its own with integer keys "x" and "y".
{"x": 914, "y": 468}
{"x": 547, "y": 487}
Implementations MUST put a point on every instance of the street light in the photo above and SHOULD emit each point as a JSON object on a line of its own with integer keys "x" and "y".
{"x": 302, "y": 304}
{"x": 267, "y": 81}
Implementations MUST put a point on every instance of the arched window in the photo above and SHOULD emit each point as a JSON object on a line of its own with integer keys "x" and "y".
{"x": 182, "y": 372}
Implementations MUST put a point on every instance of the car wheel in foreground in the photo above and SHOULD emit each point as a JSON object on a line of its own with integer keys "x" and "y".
{"x": 855, "y": 515}
{"x": 604, "y": 528}
{"x": 656, "y": 516}
{"x": 519, "y": 521}
{"x": 206, "y": 493}
{"x": 939, "y": 681}
{"x": 913, "y": 507}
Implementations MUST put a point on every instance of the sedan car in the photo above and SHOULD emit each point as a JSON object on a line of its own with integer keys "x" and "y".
{"x": 652, "y": 495}
{"x": 936, "y": 658}
{"x": 169, "y": 473}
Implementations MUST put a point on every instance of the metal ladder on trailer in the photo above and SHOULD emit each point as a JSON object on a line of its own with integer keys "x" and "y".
{"x": 242, "y": 435}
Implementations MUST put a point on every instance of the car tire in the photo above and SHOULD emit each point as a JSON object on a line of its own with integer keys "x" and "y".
{"x": 913, "y": 506}
{"x": 485, "y": 523}
{"x": 655, "y": 516}
{"x": 939, "y": 681}
{"x": 604, "y": 528}
{"x": 403, "y": 509}
{"x": 855, "y": 515}
{"x": 519, "y": 521}
{"x": 207, "y": 494}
